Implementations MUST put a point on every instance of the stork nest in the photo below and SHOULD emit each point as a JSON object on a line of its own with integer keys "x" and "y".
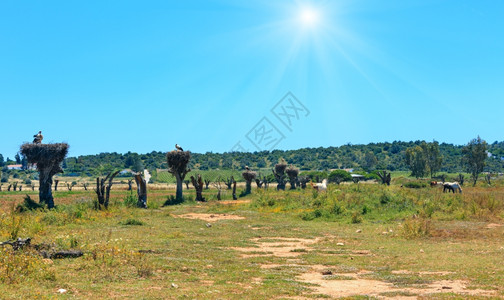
{"x": 45, "y": 154}
{"x": 178, "y": 160}
{"x": 280, "y": 168}
{"x": 249, "y": 175}
{"x": 292, "y": 172}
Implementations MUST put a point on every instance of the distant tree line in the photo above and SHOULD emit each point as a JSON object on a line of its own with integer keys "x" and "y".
{"x": 426, "y": 158}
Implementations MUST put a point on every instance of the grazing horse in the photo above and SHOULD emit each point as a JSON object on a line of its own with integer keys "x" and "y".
{"x": 320, "y": 186}
{"x": 451, "y": 186}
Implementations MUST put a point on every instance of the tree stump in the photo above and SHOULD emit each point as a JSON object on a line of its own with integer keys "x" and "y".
{"x": 198, "y": 186}
{"x": 141, "y": 191}
{"x": 48, "y": 158}
{"x": 384, "y": 176}
{"x": 103, "y": 189}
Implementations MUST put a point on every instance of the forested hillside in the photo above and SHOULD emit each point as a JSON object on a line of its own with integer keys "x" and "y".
{"x": 390, "y": 156}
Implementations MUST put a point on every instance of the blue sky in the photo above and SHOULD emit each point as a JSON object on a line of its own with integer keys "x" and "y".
{"x": 118, "y": 76}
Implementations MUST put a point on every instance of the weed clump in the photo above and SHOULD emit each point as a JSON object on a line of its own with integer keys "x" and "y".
{"x": 413, "y": 228}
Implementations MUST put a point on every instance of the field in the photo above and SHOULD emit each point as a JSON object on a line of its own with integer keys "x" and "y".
{"x": 354, "y": 241}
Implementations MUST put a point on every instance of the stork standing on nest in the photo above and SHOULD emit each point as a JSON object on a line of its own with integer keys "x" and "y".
{"x": 178, "y": 147}
{"x": 38, "y": 138}
{"x": 247, "y": 168}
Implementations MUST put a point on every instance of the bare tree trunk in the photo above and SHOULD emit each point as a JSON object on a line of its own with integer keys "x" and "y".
{"x": 14, "y": 185}
{"x": 198, "y": 186}
{"x": 234, "y": 190}
{"x": 384, "y": 176}
{"x": 229, "y": 182}
{"x": 103, "y": 189}
{"x": 187, "y": 184}
{"x": 9, "y": 187}
{"x": 85, "y": 185}
{"x": 461, "y": 179}
{"x": 56, "y": 181}
{"x": 130, "y": 183}
{"x": 207, "y": 182}
{"x": 20, "y": 188}
{"x": 141, "y": 191}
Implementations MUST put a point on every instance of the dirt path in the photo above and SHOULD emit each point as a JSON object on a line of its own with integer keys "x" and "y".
{"x": 209, "y": 217}
{"x": 349, "y": 284}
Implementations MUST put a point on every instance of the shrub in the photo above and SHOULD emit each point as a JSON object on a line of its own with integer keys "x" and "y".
{"x": 416, "y": 228}
{"x": 338, "y": 176}
{"x": 415, "y": 184}
{"x": 133, "y": 222}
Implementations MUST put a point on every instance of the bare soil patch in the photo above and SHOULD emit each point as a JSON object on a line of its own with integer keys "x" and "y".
{"x": 209, "y": 217}
{"x": 354, "y": 284}
{"x": 277, "y": 246}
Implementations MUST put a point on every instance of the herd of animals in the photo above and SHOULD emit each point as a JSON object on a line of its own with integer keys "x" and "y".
{"x": 447, "y": 186}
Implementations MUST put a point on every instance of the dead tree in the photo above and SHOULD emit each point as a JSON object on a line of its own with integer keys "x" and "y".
{"x": 20, "y": 188}
{"x": 187, "y": 183}
{"x": 303, "y": 180}
{"x": 9, "y": 187}
{"x": 48, "y": 158}
{"x": 460, "y": 179}
{"x": 1, "y": 187}
{"x": 279, "y": 172}
{"x": 85, "y": 185}
{"x": 70, "y": 186}
{"x": 103, "y": 189}
{"x": 229, "y": 182}
{"x": 217, "y": 184}
{"x": 198, "y": 186}
{"x": 234, "y": 190}
{"x": 207, "y": 182}
{"x": 248, "y": 176}
{"x": 177, "y": 163}
{"x": 14, "y": 186}
{"x": 384, "y": 176}
{"x": 130, "y": 183}
{"x": 141, "y": 190}
{"x": 259, "y": 183}
{"x": 488, "y": 178}
{"x": 56, "y": 181}
{"x": 293, "y": 173}
{"x": 33, "y": 187}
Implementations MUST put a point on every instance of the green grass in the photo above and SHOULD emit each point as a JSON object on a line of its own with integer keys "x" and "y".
{"x": 172, "y": 257}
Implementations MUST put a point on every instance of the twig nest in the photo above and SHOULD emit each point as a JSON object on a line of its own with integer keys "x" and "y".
{"x": 292, "y": 172}
{"x": 178, "y": 160}
{"x": 249, "y": 175}
{"x": 44, "y": 154}
{"x": 280, "y": 168}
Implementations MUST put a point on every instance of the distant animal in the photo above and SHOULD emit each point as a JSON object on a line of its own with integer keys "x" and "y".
{"x": 37, "y": 139}
{"x": 320, "y": 186}
{"x": 433, "y": 183}
{"x": 451, "y": 187}
{"x": 247, "y": 168}
{"x": 178, "y": 147}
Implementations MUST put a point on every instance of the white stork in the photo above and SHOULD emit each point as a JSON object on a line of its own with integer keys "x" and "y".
{"x": 178, "y": 147}
{"x": 38, "y": 138}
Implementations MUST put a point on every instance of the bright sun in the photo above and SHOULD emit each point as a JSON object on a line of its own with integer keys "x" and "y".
{"x": 309, "y": 16}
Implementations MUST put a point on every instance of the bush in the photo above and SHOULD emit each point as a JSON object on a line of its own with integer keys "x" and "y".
{"x": 338, "y": 176}
{"x": 415, "y": 184}
{"x": 416, "y": 228}
{"x": 133, "y": 222}
{"x": 27, "y": 181}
